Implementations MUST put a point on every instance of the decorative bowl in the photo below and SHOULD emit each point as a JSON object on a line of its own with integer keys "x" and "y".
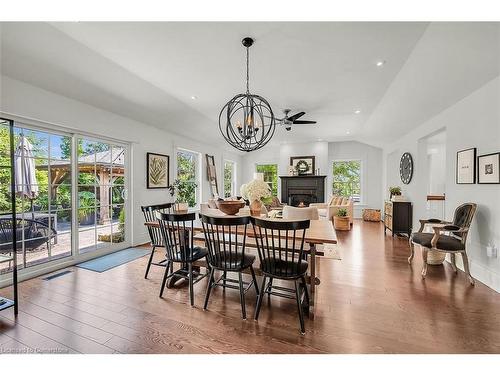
{"x": 230, "y": 207}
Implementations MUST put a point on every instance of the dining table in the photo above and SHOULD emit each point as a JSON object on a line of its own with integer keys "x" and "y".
{"x": 320, "y": 232}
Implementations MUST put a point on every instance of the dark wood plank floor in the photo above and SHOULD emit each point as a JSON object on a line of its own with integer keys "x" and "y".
{"x": 371, "y": 301}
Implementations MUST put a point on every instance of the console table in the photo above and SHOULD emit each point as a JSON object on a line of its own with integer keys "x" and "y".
{"x": 398, "y": 217}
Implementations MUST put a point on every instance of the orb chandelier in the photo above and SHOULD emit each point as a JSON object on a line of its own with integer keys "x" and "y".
{"x": 247, "y": 121}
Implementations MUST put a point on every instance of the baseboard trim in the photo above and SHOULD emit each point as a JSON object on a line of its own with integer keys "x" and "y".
{"x": 479, "y": 272}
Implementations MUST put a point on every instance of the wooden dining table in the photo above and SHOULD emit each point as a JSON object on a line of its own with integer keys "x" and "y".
{"x": 320, "y": 232}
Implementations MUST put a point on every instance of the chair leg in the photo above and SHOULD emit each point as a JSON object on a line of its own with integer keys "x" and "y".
{"x": 242, "y": 297}
{"x": 424, "y": 259}
{"x": 260, "y": 297}
{"x": 299, "y": 307}
{"x": 306, "y": 292}
{"x": 465, "y": 260}
{"x": 412, "y": 251}
{"x": 224, "y": 275}
{"x": 165, "y": 276}
{"x": 209, "y": 287}
{"x": 191, "y": 292}
{"x": 453, "y": 262}
{"x": 149, "y": 262}
{"x": 270, "y": 286}
{"x": 254, "y": 280}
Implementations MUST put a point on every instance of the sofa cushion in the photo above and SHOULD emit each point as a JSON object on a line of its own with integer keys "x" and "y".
{"x": 444, "y": 242}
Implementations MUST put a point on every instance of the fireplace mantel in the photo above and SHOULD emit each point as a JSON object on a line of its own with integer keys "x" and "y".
{"x": 308, "y": 188}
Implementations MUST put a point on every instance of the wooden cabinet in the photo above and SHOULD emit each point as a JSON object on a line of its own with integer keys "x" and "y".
{"x": 398, "y": 217}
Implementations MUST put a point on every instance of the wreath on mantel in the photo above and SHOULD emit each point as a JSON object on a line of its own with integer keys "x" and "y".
{"x": 302, "y": 167}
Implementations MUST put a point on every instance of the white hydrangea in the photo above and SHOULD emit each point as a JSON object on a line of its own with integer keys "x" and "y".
{"x": 255, "y": 190}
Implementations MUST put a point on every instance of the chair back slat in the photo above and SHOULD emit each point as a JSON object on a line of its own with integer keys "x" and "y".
{"x": 177, "y": 231}
{"x": 225, "y": 251}
{"x": 150, "y": 216}
{"x": 277, "y": 247}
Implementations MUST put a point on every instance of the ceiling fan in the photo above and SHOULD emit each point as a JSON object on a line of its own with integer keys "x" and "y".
{"x": 288, "y": 121}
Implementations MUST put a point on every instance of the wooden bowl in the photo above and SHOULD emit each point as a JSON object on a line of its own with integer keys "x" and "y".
{"x": 230, "y": 207}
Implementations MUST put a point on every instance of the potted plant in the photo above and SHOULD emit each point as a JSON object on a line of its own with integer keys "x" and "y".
{"x": 395, "y": 191}
{"x": 255, "y": 192}
{"x": 86, "y": 211}
{"x": 341, "y": 220}
{"x": 185, "y": 194}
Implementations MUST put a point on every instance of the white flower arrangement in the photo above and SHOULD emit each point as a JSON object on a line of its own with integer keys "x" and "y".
{"x": 255, "y": 190}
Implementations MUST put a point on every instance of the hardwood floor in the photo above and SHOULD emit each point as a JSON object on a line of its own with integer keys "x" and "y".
{"x": 371, "y": 301}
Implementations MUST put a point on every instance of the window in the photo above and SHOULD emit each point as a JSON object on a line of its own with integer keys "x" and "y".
{"x": 347, "y": 179}
{"x": 188, "y": 172}
{"x": 270, "y": 176}
{"x": 229, "y": 179}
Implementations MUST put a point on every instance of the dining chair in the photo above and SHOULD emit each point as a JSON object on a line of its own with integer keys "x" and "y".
{"x": 178, "y": 236}
{"x": 280, "y": 245}
{"x": 154, "y": 233}
{"x": 225, "y": 240}
{"x": 454, "y": 243}
{"x": 300, "y": 213}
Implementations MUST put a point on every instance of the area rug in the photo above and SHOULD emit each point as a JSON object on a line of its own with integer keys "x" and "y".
{"x": 330, "y": 251}
{"x": 113, "y": 260}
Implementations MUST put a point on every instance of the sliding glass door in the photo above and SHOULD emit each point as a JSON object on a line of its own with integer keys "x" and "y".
{"x": 101, "y": 194}
{"x": 70, "y": 195}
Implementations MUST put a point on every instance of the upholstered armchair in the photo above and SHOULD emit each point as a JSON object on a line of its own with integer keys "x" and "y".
{"x": 447, "y": 237}
{"x": 328, "y": 210}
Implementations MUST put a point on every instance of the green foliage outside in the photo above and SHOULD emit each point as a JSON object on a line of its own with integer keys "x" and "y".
{"x": 228, "y": 179}
{"x": 270, "y": 176}
{"x": 347, "y": 179}
{"x": 185, "y": 184}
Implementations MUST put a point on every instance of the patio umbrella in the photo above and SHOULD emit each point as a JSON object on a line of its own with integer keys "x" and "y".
{"x": 24, "y": 162}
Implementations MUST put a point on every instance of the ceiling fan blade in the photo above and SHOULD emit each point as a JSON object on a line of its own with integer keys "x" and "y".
{"x": 304, "y": 122}
{"x": 295, "y": 116}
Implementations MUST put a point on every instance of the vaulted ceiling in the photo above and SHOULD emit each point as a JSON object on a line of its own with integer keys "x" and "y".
{"x": 151, "y": 71}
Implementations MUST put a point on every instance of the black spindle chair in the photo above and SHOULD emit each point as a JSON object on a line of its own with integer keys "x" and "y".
{"x": 178, "y": 235}
{"x": 225, "y": 239}
{"x": 280, "y": 246}
{"x": 154, "y": 233}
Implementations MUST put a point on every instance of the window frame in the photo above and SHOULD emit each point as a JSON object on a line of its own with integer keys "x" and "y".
{"x": 361, "y": 178}
{"x": 197, "y": 171}
{"x": 233, "y": 177}
{"x": 277, "y": 175}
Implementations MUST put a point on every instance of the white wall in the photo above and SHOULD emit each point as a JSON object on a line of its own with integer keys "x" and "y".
{"x": 472, "y": 122}
{"x": 24, "y": 100}
{"x": 325, "y": 153}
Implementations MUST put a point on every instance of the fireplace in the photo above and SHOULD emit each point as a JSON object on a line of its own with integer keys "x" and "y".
{"x": 300, "y": 191}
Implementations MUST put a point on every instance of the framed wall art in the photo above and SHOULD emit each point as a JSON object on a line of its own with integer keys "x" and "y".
{"x": 157, "y": 171}
{"x": 304, "y": 165}
{"x": 466, "y": 166}
{"x": 488, "y": 167}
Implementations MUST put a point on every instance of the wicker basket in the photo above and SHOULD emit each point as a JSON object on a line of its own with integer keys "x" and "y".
{"x": 370, "y": 214}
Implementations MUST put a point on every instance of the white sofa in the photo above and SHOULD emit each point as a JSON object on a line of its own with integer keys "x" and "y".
{"x": 328, "y": 210}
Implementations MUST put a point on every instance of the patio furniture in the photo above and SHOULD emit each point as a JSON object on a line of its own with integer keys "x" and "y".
{"x": 31, "y": 233}
{"x": 178, "y": 236}
{"x": 454, "y": 242}
{"x": 154, "y": 233}
{"x": 226, "y": 253}
{"x": 282, "y": 259}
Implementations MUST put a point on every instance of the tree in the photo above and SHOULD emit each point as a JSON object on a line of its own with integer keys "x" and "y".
{"x": 270, "y": 176}
{"x": 347, "y": 178}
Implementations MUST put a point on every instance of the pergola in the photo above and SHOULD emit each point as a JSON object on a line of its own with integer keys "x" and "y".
{"x": 108, "y": 168}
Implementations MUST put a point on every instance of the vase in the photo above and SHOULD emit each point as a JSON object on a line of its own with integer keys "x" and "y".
{"x": 255, "y": 208}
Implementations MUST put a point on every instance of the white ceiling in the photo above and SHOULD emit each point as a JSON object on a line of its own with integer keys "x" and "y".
{"x": 149, "y": 71}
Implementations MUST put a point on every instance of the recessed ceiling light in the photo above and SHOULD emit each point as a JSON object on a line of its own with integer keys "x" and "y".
{"x": 348, "y": 132}
{"x": 194, "y": 97}
{"x": 320, "y": 139}
{"x": 380, "y": 63}
{"x": 357, "y": 111}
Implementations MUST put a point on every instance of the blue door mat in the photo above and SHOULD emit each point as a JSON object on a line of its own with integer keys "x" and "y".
{"x": 5, "y": 303}
{"x": 113, "y": 260}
